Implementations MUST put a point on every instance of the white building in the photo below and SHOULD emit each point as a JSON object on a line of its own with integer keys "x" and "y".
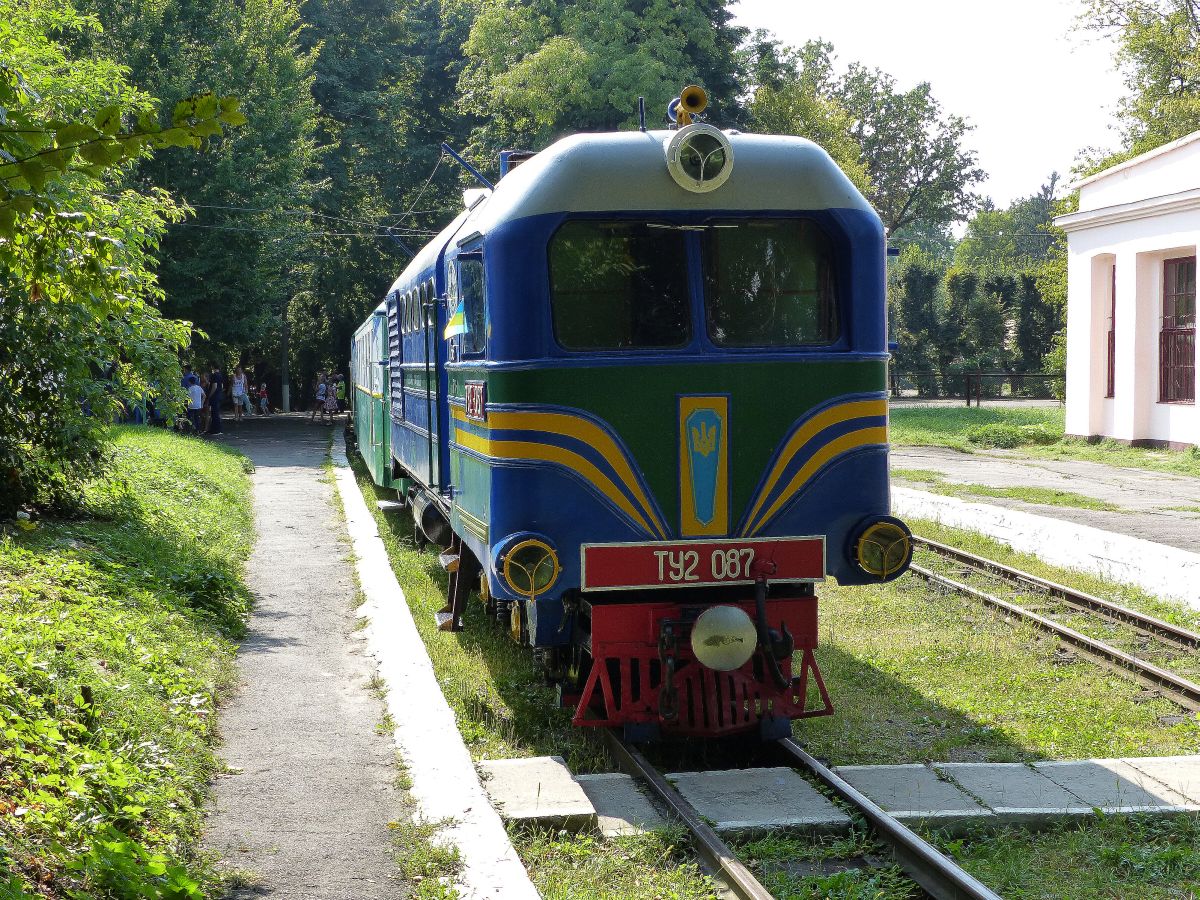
{"x": 1131, "y": 300}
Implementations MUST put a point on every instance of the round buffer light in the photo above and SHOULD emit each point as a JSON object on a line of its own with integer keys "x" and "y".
{"x": 531, "y": 567}
{"x": 724, "y": 638}
{"x": 700, "y": 157}
{"x": 884, "y": 549}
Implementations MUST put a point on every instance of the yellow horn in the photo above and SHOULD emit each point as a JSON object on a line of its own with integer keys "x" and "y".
{"x": 693, "y": 99}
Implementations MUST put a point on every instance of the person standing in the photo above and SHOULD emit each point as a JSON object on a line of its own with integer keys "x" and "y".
{"x": 216, "y": 396}
{"x": 195, "y": 403}
{"x": 331, "y": 403}
{"x": 341, "y": 394}
{"x": 319, "y": 392}
{"x": 264, "y": 400}
{"x": 206, "y": 410}
{"x": 241, "y": 399}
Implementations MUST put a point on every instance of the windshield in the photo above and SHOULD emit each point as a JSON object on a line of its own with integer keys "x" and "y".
{"x": 619, "y": 285}
{"x": 768, "y": 283}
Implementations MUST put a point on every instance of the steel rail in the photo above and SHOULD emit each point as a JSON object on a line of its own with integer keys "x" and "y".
{"x": 1075, "y": 598}
{"x": 725, "y": 866}
{"x": 935, "y": 872}
{"x": 1186, "y": 693}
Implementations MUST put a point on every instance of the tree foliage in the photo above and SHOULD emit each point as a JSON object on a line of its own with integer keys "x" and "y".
{"x": 1158, "y": 45}
{"x": 232, "y": 268}
{"x": 80, "y": 331}
{"x": 537, "y": 68}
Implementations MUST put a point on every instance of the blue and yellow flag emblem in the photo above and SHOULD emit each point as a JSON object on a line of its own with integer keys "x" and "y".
{"x": 457, "y": 323}
{"x": 704, "y": 466}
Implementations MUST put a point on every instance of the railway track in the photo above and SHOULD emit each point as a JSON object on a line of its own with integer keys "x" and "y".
{"x": 934, "y": 872}
{"x": 1183, "y": 691}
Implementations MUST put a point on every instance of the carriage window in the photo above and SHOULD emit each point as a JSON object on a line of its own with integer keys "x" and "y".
{"x": 470, "y": 279}
{"x": 769, "y": 283}
{"x": 619, "y": 285}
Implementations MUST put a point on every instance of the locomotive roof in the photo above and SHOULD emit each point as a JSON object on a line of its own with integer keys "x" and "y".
{"x": 625, "y": 171}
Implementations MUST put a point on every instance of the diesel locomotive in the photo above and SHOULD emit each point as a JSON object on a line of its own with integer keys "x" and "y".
{"x": 636, "y": 393}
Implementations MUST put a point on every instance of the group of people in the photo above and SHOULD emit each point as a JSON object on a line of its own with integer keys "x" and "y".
{"x": 206, "y": 396}
{"x": 329, "y": 397}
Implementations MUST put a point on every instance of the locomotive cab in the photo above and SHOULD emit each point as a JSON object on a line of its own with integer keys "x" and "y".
{"x": 645, "y": 393}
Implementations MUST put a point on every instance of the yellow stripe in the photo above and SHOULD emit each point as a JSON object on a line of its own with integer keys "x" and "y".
{"x": 548, "y": 453}
{"x": 860, "y": 438}
{"x": 581, "y": 429}
{"x": 805, "y": 433}
{"x": 361, "y": 389}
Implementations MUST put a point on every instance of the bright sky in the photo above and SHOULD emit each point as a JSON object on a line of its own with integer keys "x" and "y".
{"x": 1036, "y": 91}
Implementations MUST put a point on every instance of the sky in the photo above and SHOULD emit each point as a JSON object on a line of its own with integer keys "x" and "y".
{"x": 1036, "y": 91}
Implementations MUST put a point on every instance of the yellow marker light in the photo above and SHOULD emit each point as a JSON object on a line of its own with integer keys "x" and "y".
{"x": 531, "y": 568}
{"x": 884, "y": 549}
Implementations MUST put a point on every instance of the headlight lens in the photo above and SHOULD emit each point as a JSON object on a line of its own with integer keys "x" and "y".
{"x": 531, "y": 568}
{"x": 884, "y": 549}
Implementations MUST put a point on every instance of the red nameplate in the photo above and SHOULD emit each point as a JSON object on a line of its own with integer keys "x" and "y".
{"x": 608, "y": 567}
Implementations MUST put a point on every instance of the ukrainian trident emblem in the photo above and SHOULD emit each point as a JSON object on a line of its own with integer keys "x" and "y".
{"x": 704, "y": 463}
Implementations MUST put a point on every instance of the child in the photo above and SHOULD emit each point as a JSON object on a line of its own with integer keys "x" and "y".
{"x": 195, "y": 402}
{"x": 264, "y": 406}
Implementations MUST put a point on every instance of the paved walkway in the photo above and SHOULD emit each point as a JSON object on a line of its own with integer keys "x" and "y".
{"x": 1148, "y": 501}
{"x": 306, "y": 812}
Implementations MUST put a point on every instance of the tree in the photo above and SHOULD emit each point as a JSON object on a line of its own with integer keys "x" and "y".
{"x": 796, "y": 95}
{"x": 81, "y": 335}
{"x": 920, "y": 173}
{"x": 232, "y": 269}
{"x": 1158, "y": 45}
{"x": 537, "y": 69}
{"x": 1015, "y": 239}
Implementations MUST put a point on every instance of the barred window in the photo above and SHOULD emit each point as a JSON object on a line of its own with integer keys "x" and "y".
{"x": 1177, "y": 339}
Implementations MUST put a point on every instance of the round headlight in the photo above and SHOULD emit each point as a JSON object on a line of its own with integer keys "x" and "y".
{"x": 724, "y": 638}
{"x": 531, "y": 567}
{"x": 700, "y": 157}
{"x": 884, "y": 549}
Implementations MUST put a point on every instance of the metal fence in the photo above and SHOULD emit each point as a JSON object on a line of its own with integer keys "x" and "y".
{"x": 976, "y": 386}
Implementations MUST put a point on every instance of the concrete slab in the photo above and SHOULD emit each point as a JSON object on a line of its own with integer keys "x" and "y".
{"x": 389, "y": 506}
{"x": 757, "y": 800}
{"x": 539, "y": 790}
{"x": 1180, "y": 773}
{"x": 1113, "y": 785}
{"x": 621, "y": 807}
{"x": 912, "y": 792}
{"x": 1014, "y": 790}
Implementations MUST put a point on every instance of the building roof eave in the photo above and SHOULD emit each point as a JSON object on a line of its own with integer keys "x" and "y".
{"x": 1128, "y": 212}
{"x": 1137, "y": 160}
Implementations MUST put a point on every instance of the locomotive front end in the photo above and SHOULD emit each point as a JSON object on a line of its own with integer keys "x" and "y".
{"x": 676, "y": 427}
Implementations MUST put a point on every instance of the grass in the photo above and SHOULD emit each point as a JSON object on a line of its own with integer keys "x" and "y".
{"x": 1118, "y": 857}
{"x": 916, "y": 675}
{"x": 937, "y": 483}
{"x": 505, "y": 710}
{"x": 790, "y": 867}
{"x": 947, "y": 426}
{"x": 567, "y": 866}
{"x": 116, "y": 650}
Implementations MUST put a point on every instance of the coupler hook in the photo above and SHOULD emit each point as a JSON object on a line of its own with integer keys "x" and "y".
{"x": 775, "y": 646}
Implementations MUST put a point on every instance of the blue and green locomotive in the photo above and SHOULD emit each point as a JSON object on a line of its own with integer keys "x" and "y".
{"x": 636, "y": 392}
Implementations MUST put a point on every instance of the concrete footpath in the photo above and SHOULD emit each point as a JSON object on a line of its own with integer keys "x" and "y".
{"x": 305, "y": 811}
{"x": 1153, "y": 505}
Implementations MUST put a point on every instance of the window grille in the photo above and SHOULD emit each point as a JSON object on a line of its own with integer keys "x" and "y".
{"x": 1177, "y": 339}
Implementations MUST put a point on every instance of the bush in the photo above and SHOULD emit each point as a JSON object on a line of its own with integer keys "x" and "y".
{"x": 1003, "y": 434}
{"x": 116, "y": 647}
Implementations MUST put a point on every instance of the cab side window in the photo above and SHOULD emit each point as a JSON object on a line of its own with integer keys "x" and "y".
{"x": 474, "y": 301}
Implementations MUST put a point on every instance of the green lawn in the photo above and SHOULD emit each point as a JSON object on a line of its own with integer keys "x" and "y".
{"x": 117, "y": 645}
{"x": 505, "y": 710}
{"x": 948, "y": 426}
